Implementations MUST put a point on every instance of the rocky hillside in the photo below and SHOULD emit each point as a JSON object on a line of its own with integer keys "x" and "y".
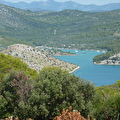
{"x": 36, "y": 58}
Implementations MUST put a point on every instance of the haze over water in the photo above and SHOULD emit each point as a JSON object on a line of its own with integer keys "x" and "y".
{"x": 98, "y": 74}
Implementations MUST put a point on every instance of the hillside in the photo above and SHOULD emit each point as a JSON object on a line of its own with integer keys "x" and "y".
{"x": 68, "y": 28}
{"x": 112, "y": 56}
{"x": 104, "y": 59}
{"x": 37, "y": 58}
{"x": 6, "y": 41}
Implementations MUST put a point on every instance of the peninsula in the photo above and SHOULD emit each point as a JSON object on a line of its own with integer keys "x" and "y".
{"x": 38, "y": 58}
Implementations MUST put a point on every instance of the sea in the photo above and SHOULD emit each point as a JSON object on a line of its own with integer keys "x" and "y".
{"x": 99, "y": 75}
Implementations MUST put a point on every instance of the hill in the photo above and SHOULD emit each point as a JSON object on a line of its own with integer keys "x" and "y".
{"x": 67, "y": 28}
{"x": 107, "y": 59}
{"x": 51, "y": 5}
{"x": 37, "y": 58}
{"x": 112, "y": 57}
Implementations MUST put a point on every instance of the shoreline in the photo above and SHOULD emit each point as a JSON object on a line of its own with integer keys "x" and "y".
{"x": 117, "y": 64}
{"x": 74, "y": 69}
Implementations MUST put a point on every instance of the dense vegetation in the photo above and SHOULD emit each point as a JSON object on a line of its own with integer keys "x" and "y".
{"x": 53, "y": 90}
{"x": 71, "y": 28}
{"x": 108, "y": 98}
{"x": 6, "y": 41}
{"x": 46, "y": 96}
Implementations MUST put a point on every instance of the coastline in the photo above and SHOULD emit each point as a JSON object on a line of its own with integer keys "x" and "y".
{"x": 74, "y": 69}
{"x": 107, "y": 63}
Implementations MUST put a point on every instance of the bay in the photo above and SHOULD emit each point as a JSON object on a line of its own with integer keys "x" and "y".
{"x": 97, "y": 74}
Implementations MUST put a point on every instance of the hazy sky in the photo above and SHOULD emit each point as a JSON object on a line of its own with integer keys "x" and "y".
{"x": 97, "y": 2}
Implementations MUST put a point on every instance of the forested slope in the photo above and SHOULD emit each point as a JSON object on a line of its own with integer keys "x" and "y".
{"x": 65, "y": 28}
{"x": 6, "y": 41}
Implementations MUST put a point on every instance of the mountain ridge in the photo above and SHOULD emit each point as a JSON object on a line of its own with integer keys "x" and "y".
{"x": 52, "y": 5}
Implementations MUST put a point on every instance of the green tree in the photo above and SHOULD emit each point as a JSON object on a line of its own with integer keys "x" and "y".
{"x": 107, "y": 101}
{"x": 44, "y": 98}
{"x": 16, "y": 90}
{"x": 56, "y": 89}
{"x": 3, "y": 111}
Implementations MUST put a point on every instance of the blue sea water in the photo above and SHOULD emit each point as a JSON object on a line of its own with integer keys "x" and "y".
{"x": 97, "y": 74}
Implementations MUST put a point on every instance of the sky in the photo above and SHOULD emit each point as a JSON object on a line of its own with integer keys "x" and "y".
{"x": 86, "y": 2}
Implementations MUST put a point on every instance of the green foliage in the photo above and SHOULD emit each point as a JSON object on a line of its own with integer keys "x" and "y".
{"x": 56, "y": 90}
{"x": 16, "y": 90}
{"x": 6, "y": 41}
{"x": 7, "y": 63}
{"x": 3, "y": 111}
{"x": 107, "y": 102}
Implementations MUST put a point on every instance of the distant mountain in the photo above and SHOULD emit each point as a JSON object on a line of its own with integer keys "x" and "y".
{"x": 52, "y": 5}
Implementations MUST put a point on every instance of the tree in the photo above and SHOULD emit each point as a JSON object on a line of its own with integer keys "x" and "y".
{"x": 44, "y": 98}
{"x": 107, "y": 101}
{"x": 3, "y": 112}
{"x": 16, "y": 90}
{"x": 57, "y": 89}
